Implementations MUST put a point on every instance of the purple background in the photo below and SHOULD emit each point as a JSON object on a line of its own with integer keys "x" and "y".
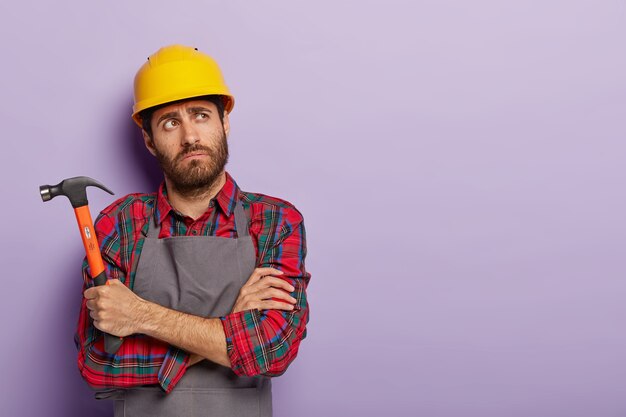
{"x": 460, "y": 168}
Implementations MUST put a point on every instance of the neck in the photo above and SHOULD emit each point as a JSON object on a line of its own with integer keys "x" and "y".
{"x": 194, "y": 204}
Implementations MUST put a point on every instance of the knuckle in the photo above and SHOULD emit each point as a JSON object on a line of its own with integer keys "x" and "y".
{"x": 283, "y": 284}
{"x": 276, "y": 292}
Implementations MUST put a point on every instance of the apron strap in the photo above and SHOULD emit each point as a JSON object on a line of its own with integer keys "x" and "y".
{"x": 241, "y": 220}
{"x": 153, "y": 227}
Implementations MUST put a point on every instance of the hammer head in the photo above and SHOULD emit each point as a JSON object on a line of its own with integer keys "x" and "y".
{"x": 75, "y": 189}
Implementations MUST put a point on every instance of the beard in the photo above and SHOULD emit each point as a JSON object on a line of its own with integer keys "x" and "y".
{"x": 198, "y": 175}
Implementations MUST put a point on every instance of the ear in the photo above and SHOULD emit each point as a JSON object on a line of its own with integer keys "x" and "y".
{"x": 148, "y": 142}
{"x": 226, "y": 123}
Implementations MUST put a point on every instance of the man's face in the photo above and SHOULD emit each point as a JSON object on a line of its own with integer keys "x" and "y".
{"x": 189, "y": 140}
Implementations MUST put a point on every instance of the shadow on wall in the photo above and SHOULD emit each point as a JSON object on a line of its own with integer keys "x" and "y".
{"x": 134, "y": 156}
{"x": 139, "y": 171}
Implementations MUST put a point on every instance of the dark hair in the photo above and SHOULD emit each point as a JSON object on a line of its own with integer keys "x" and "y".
{"x": 146, "y": 115}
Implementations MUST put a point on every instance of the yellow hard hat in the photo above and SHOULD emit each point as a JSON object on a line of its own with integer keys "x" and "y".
{"x": 178, "y": 72}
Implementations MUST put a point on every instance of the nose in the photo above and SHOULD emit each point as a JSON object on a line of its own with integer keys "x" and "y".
{"x": 190, "y": 134}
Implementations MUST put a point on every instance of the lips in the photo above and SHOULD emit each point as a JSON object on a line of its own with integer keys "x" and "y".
{"x": 197, "y": 151}
{"x": 192, "y": 154}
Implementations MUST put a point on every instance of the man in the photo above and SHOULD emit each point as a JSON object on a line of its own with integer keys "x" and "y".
{"x": 206, "y": 282}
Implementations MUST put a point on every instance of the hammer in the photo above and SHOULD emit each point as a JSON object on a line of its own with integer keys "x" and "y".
{"x": 75, "y": 189}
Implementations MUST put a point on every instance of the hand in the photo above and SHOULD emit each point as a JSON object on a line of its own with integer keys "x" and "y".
{"x": 258, "y": 291}
{"x": 114, "y": 308}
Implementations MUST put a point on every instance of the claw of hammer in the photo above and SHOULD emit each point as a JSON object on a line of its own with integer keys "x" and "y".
{"x": 75, "y": 189}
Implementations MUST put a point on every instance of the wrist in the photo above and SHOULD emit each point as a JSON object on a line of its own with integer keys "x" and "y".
{"x": 144, "y": 316}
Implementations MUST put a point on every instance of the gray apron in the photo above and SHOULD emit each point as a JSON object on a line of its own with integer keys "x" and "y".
{"x": 200, "y": 275}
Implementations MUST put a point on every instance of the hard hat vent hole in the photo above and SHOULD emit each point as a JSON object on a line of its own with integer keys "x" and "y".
{"x": 195, "y": 49}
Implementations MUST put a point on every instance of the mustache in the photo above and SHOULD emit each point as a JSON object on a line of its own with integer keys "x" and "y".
{"x": 192, "y": 149}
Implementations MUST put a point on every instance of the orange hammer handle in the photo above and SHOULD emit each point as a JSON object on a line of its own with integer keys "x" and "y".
{"x": 87, "y": 232}
{"x": 96, "y": 266}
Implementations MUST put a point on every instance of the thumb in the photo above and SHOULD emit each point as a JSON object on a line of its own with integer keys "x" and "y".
{"x": 114, "y": 282}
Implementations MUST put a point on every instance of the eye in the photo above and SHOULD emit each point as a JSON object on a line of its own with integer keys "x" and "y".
{"x": 202, "y": 116}
{"x": 170, "y": 124}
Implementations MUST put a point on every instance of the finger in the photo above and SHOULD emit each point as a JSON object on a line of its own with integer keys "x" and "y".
{"x": 270, "y": 283}
{"x": 91, "y": 304}
{"x": 262, "y": 272}
{"x": 277, "y": 283}
{"x": 268, "y": 271}
{"x": 259, "y": 273}
{"x": 91, "y": 293}
{"x": 255, "y": 277}
{"x": 275, "y": 293}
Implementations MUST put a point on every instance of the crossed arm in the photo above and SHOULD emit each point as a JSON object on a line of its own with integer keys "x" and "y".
{"x": 116, "y": 310}
{"x": 257, "y": 338}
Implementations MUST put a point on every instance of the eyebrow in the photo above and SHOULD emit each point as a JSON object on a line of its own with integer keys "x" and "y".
{"x": 167, "y": 116}
{"x": 189, "y": 111}
{"x": 198, "y": 109}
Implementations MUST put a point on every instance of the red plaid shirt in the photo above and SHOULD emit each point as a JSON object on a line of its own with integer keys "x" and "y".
{"x": 258, "y": 342}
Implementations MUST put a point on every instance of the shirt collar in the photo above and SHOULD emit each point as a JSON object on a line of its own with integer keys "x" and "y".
{"x": 228, "y": 196}
{"x": 226, "y": 199}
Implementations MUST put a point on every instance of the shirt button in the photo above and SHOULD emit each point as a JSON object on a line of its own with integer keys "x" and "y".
{"x": 194, "y": 232}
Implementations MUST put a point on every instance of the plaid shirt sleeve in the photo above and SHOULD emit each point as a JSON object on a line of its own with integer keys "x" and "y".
{"x": 140, "y": 359}
{"x": 266, "y": 342}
